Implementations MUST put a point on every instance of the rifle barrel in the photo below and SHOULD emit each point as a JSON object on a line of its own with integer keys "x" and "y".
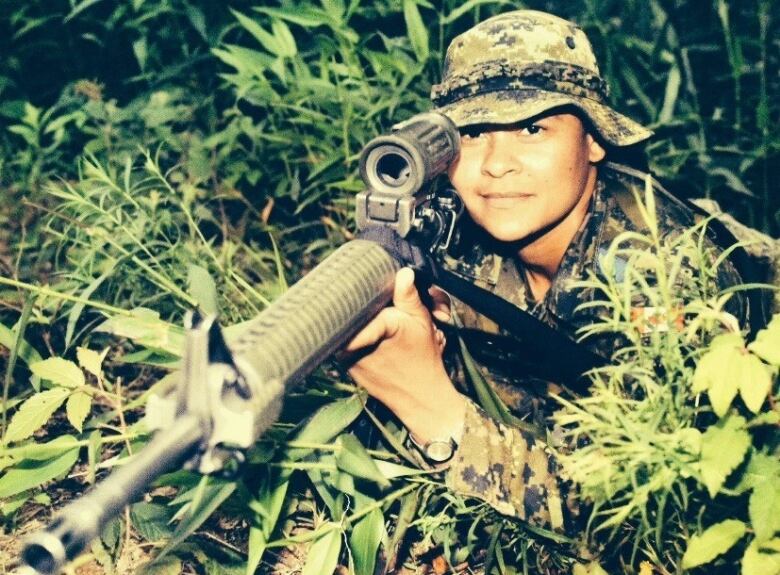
{"x": 285, "y": 342}
{"x": 80, "y": 522}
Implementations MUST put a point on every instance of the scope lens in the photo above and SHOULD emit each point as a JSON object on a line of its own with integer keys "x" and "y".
{"x": 393, "y": 169}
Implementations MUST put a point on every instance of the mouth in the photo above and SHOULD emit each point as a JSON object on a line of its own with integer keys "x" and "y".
{"x": 500, "y": 196}
{"x": 505, "y": 200}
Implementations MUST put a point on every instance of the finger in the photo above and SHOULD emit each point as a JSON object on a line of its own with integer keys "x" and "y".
{"x": 384, "y": 325}
{"x": 441, "y": 304}
{"x": 405, "y": 296}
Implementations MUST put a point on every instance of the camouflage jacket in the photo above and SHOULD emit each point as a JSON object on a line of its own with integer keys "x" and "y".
{"x": 508, "y": 468}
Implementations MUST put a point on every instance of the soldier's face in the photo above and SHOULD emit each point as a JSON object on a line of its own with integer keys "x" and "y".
{"x": 523, "y": 180}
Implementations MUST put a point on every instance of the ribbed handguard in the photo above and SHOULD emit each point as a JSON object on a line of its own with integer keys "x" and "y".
{"x": 318, "y": 314}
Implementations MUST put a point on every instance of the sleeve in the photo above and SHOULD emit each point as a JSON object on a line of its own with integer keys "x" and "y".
{"x": 512, "y": 471}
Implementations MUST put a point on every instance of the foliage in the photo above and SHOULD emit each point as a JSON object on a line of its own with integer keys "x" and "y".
{"x": 157, "y": 155}
{"x": 673, "y": 438}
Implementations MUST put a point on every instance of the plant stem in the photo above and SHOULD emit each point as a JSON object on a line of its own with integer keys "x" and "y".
{"x": 40, "y": 290}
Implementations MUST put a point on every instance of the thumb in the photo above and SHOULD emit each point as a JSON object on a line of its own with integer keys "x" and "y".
{"x": 405, "y": 296}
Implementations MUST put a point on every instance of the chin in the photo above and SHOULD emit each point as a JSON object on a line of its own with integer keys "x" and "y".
{"x": 507, "y": 233}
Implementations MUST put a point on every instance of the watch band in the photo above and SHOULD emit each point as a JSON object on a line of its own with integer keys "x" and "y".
{"x": 437, "y": 450}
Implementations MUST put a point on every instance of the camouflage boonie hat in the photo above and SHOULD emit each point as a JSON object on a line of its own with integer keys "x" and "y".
{"x": 517, "y": 65}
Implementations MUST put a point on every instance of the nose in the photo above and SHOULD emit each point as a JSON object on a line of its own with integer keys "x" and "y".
{"x": 501, "y": 157}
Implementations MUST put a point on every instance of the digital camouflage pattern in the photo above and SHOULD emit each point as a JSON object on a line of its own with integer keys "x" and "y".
{"x": 519, "y": 64}
{"x": 508, "y": 468}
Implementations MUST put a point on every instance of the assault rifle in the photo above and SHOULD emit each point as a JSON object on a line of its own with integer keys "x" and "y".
{"x": 228, "y": 396}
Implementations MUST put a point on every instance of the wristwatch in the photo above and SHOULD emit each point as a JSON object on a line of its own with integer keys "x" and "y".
{"x": 437, "y": 450}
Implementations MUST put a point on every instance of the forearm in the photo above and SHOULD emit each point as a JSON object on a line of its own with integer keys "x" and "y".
{"x": 511, "y": 470}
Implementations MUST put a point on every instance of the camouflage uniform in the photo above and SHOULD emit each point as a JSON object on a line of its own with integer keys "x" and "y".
{"x": 504, "y": 71}
{"x": 507, "y": 467}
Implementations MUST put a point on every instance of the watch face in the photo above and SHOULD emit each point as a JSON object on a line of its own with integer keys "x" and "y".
{"x": 439, "y": 451}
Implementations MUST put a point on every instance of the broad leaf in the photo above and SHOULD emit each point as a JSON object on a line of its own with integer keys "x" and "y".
{"x": 364, "y": 541}
{"x": 764, "y": 507}
{"x": 146, "y": 328}
{"x": 767, "y": 342}
{"x": 711, "y": 365}
{"x": 151, "y": 520}
{"x": 78, "y": 407}
{"x": 758, "y": 561}
{"x": 355, "y": 460}
{"x": 762, "y": 467}
{"x": 214, "y": 495}
{"x": 202, "y": 288}
{"x": 91, "y": 361}
{"x": 28, "y": 353}
{"x": 59, "y": 371}
{"x": 755, "y": 381}
{"x": 44, "y": 451}
{"x": 34, "y": 413}
{"x": 31, "y": 474}
{"x": 724, "y": 446}
{"x": 714, "y": 541}
{"x": 324, "y": 554}
{"x": 727, "y": 368}
{"x": 326, "y": 423}
{"x": 268, "y": 506}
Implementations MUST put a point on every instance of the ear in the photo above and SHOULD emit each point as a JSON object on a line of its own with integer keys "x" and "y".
{"x": 596, "y": 151}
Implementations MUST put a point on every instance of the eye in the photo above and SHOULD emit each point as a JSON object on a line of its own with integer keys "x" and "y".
{"x": 531, "y": 129}
{"x": 470, "y": 133}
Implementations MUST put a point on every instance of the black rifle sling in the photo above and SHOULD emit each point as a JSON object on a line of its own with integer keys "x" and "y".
{"x": 564, "y": 360}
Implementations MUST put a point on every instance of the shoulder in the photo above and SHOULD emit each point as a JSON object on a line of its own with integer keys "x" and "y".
{"x": 626, "y": 190}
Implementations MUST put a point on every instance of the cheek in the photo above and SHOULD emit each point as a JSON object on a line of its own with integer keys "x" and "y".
{"x": 464, "y": 175}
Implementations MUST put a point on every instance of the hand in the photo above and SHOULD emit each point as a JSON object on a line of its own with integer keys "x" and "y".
{"x": 400, "y": 363}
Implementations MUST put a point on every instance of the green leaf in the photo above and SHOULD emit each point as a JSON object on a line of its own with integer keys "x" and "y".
{"x": 303, "y": 15}
{"x": 25, "y": 351}
{"x": 364, "y": 541}
{"x": 59, "y": 371}
{"x": 671, "y": 93}
{"x": 756, "y": 561}
{"x": 93, "y": 454}
{"x": 31, "y": 474}
{"x": 324, "y": 554}
{"x": 202, "y": 288}
{"x": 755, "y": 382}
{"x": 467, "y": 8}
{"x": 151, "y": 520}
{"x": 767, "y": 342}
{"x": 91, "y": 360}
{"x": 418, "y": 33}
{"x": 761, "y": 467}
{"x": 162, "y": 566}
{"x": 268, "y": 507}
{"x": 266, "y": 39}
{"x": 44, "y": 451}
{"x": 35, "y": 412}
{"x": 764, "y": 507}
{"x": 715, "y": 541}
{"x": 146, "y": 328}
{"x": 78, "y": 307}
{"x": 355, "y": 460}
{"x": 286, "y": 39}
{"x": 724, "y": 446}
{"x": 326, "y": 423}
{"x": 214, "y": 494}
{"x": 78, "y": 407}
{"x": 719, "y": 371}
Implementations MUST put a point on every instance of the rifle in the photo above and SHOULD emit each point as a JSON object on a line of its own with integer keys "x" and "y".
{"x": 228, "y": 396}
